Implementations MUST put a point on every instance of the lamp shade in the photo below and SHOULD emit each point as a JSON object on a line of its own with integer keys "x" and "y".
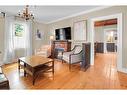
{"x": 51, "y": 37}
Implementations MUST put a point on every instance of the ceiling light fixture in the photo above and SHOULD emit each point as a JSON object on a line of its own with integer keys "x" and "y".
{"x": 26, "y": 14}
{"x": 2, "y": 14}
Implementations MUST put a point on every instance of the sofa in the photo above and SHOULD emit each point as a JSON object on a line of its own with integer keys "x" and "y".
{"x": 44, "y": 51}
{"x": 4, "y": 83}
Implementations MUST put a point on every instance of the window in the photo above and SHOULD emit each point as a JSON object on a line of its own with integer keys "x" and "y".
{"x": 19, "y": 30}
{"x": 19, "y": 35}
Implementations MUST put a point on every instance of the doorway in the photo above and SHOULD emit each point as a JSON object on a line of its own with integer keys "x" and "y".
{"x": 110, "y": 40}
{"x": 119, "y": 38}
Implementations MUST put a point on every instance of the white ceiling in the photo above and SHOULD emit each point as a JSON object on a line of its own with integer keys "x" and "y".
{"x": 47, "y": 14}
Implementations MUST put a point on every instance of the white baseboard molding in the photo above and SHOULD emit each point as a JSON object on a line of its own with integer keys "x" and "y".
{"x": 123, "y": 70}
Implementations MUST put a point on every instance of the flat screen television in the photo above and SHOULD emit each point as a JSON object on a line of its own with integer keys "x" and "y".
{"x": 63, "y": 33}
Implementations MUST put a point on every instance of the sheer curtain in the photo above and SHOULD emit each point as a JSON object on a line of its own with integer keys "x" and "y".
{"x": 28, "y": 38}
{"x": 9, "y": 43}
{"x": 12, "y": 44}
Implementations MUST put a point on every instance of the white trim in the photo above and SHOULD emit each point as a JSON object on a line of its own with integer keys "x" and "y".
{"x": 119, "y": 41}
{"x": 39, "y": 21}
{"x": 124, "y": 70}
{"x": 119, "y": 30}
{"x": 105, "y": 30}
{"x": 77, "y": 14}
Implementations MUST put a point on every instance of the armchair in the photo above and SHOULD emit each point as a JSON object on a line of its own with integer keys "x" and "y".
{"x": 73, "y": 56}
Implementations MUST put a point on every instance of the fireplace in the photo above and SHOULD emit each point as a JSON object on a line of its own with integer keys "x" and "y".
{"x": 58, "y": 47}
{"x": 58, "y": 53}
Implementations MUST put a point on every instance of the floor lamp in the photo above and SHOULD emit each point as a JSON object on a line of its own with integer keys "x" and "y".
{"x": 51, "y": 38}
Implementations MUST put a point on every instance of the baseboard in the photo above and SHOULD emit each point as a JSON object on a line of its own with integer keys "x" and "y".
{"x": 123, "y": 70}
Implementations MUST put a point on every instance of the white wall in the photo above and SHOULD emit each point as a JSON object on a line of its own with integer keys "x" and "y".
{"x": 43, "y": 29}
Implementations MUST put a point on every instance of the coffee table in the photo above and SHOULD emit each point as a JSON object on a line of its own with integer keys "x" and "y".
{"x": 35, "y": 64}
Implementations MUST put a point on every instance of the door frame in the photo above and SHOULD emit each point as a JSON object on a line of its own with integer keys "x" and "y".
{"x": 119, "y": 30}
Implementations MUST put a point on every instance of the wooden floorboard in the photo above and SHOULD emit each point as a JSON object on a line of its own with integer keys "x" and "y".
{"x": 103, "y": 75}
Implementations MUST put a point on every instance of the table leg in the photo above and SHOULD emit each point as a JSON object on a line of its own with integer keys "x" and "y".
{"x": 33, "y": 80}
{"x": 24, "y": 70}
{"x": 19, "y": 65}
{"x": 33, "y": 76}
{"x": 53, "y": 68}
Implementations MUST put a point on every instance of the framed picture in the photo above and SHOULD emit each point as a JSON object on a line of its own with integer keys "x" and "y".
{"x": 80, "y": 30}
{"x": 38, "y": 35}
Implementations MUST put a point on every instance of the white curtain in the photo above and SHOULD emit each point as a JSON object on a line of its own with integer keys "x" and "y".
{"x": 28, "y": 38}
{"x": 9, "y": 43}
{"x": 11, "y": 52}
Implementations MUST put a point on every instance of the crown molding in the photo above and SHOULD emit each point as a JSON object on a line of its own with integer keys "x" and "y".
{"x": 39, "y": 21}
{"x": 77, "y": 14}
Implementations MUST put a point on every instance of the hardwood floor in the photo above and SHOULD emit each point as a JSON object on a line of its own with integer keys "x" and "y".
{"x": 103, "y": 75}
